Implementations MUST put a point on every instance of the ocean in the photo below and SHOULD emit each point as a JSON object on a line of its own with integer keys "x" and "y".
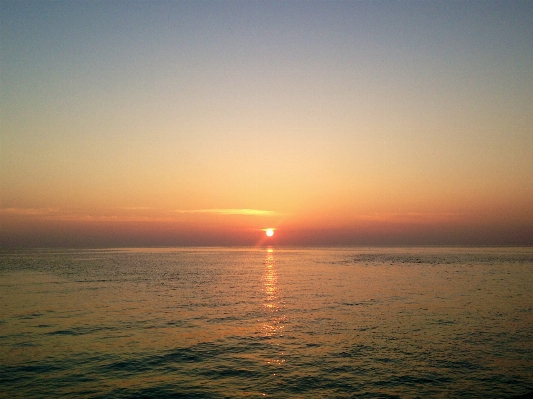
{"x": 266, "y": 322}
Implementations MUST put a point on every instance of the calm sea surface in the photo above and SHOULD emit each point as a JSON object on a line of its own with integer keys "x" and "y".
{"x": 361, "y": 322}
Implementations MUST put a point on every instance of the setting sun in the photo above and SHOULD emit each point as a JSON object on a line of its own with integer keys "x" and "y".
{"x": 270, "y": 232}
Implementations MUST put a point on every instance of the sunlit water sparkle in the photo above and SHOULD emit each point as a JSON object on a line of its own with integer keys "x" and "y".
{"x": 361, "y": 322}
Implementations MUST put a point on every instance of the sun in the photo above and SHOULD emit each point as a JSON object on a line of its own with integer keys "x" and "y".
{"x": 270, "y": 232}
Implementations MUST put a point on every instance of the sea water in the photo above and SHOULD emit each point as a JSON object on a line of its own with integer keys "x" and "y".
{"x": 256, "y": 322}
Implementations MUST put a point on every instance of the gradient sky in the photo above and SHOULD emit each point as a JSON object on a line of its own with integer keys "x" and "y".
{"x": 202, "y": 123}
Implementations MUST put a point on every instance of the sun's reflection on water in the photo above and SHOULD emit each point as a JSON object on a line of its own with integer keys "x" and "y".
{"x": 273, "y": 325}
{"x": 270, "y": 280}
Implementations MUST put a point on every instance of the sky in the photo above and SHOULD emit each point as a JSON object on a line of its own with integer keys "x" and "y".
{"x": 176, "y": 123}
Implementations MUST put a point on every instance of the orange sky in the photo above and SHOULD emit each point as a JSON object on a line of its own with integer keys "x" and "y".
{"x": 203, "y": 124}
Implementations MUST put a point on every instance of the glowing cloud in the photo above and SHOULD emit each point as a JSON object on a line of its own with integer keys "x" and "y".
{"x": 29, "y": 211}
{"x": 249, "y": 212}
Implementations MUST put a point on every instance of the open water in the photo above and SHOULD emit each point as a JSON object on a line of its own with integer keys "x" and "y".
{"x": 256, "y": 322}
